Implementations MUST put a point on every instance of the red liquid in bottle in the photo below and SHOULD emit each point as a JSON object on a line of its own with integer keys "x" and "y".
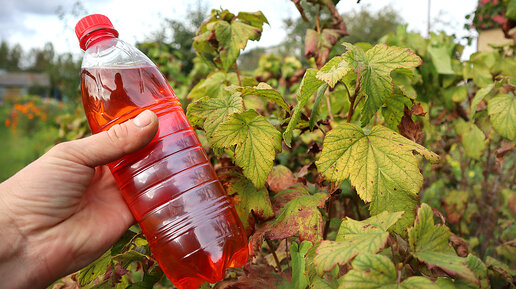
{"x": 170, "y": 186}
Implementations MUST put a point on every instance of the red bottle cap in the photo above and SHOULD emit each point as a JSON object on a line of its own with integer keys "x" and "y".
{"x": 92, "y": 23}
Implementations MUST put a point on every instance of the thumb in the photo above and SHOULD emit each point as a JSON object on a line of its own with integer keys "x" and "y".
{"x": 108, "y": 146}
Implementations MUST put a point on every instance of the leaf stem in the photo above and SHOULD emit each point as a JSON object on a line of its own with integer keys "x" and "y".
{"x": 352, "y": 100}
{"x": 328, "y": 103}
{"x": 238, "y": 74}
{"x": 273, "y": 251}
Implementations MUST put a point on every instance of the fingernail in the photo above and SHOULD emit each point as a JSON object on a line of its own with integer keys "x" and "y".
{"x": 143, "y": 119}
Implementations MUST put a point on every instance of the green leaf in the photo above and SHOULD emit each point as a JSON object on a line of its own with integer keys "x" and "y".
{"x": 247, "y": 199}
{"x": 300, "y": 215}
{"x": 95, "y": 269}
{"x": 333, "y": 71}
{"x": 256, "y": 143}
{"x": 511, "y": 10}
{"x": 380, "y": 165}
{"x": 402, "y": 79}
{"x": 265, "y": 90}
{"x": 501, "y": 268}
{"x": 213, "y": 86}
{"x": 479, "y": 96}
{"x": 374, "y": 68}
{"x": 441, "y": 59}
{"x": 314, "y": 115}
{"x": 456, "y": 93}
{"x": 445, "y": 283}
{"x": 473, "y": 139}
{"x": 394, "y": 107}
{"x": 308, "y": 86}
{"x": 211, "y": 112}
{"x": 129, "y": 257}
{"x": 353, "y": 238}
{"x": 418, "y": 282}
{"x": 319, "y": 283}
{"x": 232, "y": 37}
{"x": 502, "y": 112}
{"x": 255, "y": 19}
{"x": 297, "y": 253}
{"x": 480, "y": 270}
{"x": 429, "y": 244}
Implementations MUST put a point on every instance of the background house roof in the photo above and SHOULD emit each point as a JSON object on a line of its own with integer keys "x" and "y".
{"x": 24, "y": 79}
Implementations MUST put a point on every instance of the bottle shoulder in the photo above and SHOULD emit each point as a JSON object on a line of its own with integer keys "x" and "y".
{"x": 114, "y": 52}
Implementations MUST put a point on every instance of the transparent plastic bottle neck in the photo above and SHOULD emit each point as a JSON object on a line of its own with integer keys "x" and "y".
{"x": 97, "y": 36}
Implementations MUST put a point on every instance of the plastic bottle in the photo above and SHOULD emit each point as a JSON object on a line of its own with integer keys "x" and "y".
{"x": 170, "y": 186}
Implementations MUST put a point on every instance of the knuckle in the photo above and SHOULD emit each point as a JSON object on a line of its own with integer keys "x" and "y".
{"x": 60, "y": 148}
{"x": 118, "y": 135}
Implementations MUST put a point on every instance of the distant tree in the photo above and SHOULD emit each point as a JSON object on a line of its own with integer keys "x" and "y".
{"x": 176, "y": 37}
{"x": 367, "y": 26}
{"x": 10, "y": 56}
{"x": 43, "y": 59}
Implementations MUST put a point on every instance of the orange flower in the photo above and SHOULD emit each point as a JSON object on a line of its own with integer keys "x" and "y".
{"x": 8, "y": 122}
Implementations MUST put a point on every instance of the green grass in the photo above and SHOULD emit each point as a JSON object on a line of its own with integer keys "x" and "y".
{"x": 18, "y": 150}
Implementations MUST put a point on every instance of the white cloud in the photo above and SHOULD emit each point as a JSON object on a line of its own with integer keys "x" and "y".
{"x": 34, "y": 22}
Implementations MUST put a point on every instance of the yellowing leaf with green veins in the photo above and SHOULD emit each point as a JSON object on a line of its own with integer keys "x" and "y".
{"x": 429, "y": 244}
{"x": 256, "y": 142}
{"x": 374, "y": 68}
{"x": 378, "y": 272}
{"x": 308, "y": 86}
{"x": 393, "y": 108}
{"x": 333, "y": 71}
{"x": 211, "y": 112}
{"x": 383, "y": 221}
{"x": 502, "y": 112}
{"x": 380, "y": 165}
{"x": 353, "y": 238}
{"x": 265, "y": 90}
{"x": 247, "y": 198}
{"x": 233, "y": 36}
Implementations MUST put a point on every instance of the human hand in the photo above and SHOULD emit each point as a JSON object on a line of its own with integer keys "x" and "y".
{"x": 64, "y": 210}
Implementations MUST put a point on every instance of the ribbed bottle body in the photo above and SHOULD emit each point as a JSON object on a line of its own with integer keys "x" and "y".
{"x": 170, "y": 186}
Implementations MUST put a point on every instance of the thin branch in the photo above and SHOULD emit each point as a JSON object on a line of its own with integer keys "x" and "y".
{"x": 301, "y": 11}
{"x": 273, "y": 251}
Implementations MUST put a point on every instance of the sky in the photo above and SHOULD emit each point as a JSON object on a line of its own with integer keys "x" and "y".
{"x": 32, "y": 23}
